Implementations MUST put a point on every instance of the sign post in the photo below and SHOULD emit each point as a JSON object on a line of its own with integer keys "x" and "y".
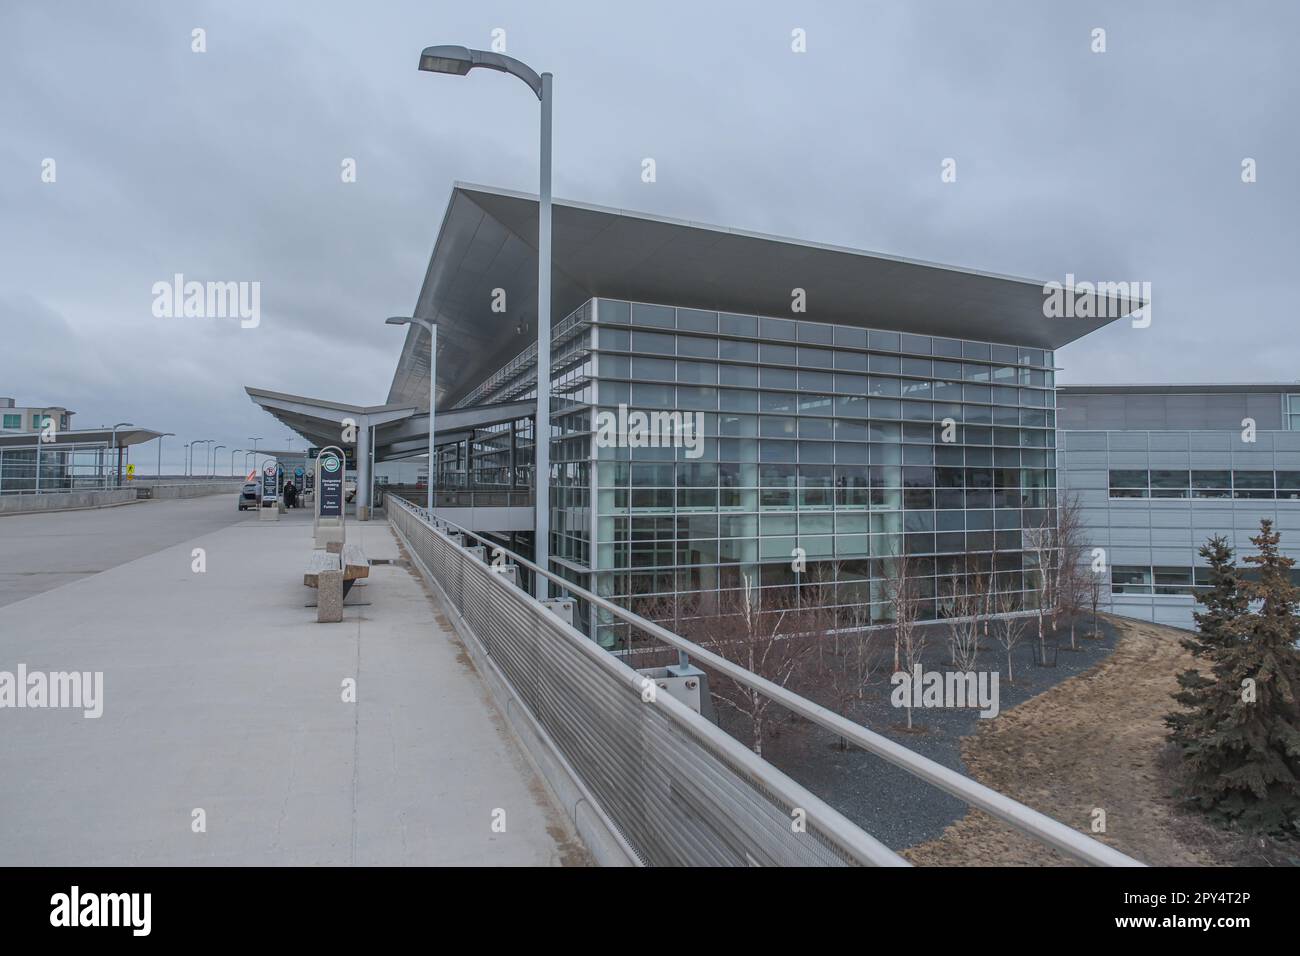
{"x": 330, "y": 515}
{"x": 270, "y": 511}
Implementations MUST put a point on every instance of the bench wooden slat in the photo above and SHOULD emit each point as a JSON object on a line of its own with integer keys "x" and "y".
{"x": 320, "y": 560}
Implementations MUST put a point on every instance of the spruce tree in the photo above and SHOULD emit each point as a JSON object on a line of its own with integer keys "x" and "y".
{"x": 1224, "y": 604}
{"x": 1243, "y": 754}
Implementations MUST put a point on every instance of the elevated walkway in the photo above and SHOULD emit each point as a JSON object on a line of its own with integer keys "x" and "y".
{"x": 222, "y": 694}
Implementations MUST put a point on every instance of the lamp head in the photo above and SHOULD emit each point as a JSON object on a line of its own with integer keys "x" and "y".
{"x": 455, "y": 60}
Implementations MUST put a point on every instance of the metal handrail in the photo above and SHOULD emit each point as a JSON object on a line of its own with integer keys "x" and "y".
{"x": 1023, "y": 818}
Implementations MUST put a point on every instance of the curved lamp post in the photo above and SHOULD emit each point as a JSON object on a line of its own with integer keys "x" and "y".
{"x": 432, "y": 329}
{"x": 214, "y": 460}
{"x": 458, "y": 61}
{"x": 117, "y": 462}
{"x": 160, "y": 438}
{"x": 233, "y": 453}
{"x": 201, "y": 441}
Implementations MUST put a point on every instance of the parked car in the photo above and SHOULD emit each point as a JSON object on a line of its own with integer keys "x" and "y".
{"x": 248, "y": 496}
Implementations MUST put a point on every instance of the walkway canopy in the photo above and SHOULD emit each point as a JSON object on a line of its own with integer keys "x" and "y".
{"x": 396, "y": 431}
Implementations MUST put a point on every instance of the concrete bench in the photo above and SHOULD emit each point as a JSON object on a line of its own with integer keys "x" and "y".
{"x": 332, "y": 575}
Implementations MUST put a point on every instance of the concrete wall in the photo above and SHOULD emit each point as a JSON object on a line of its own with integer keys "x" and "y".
{"x": 77, "y": 500}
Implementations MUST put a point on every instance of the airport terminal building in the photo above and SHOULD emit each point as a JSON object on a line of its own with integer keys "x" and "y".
{"x": 835, "y": 409}
{"x": 853, "y": 407}
{"x": 1159, "y": 469}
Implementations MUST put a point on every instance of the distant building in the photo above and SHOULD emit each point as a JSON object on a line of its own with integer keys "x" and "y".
{"x": 23, "y": 419}
{"x": 1159, "y": 469}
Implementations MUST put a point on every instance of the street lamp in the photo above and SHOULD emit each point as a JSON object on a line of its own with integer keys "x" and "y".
{"x": 432, "y": 329}
{"x": 457, "y": 61}
{"x": 187, "y": 459}
{"x": 233, "y": 453}
{"x": 160, "y": 438}
{"x": 201, "y": 441}
{"x": 117, "y": 467}
{"x": 213, "y": 473}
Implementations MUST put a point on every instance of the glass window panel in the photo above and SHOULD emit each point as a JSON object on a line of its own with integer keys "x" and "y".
{"x": 771, "y": 426}
{"x": 817, "y": 381}
{"x": 731, "y": 324}
{"x": 655, "y": 342}
{"x": 697, "y": 372}
{"x": 847, "y": 335}
{"x": 737, "y": 400}
{"x": 884, "y": 387}
{"x": 778, "y": 378}
{"x": 975, "y": 350}
{"x": 883, "y": 363}
{"x": 653, "y": 316}
{"x": 1176, "y": 480}
{"x": 851, "y": 384}
{"x": 816, "y": 428}
{"x": 783, "y": 330}
{"x": 850, "y": 431}
{"x": 697, "y": 320}
{"x": 852, "y": 406}
{"x": 778, "y": 401}
{"x": 816, "y": 358}
{"x": 648, "y": 368}
{"x": 699, "y": 348}
{"x": 738, "y": 351}
{"x": 815, "y": 404}
{"x": 777, "y": 354}
{"x": 615, "y": 366}
{"x": 919, "y": 344}
{"x": 887, "y": 341}
{"x": 950, "y": 348}
{"x": 771, "y": 450}
{"x": 851, "y": 361}
{"x": 737, "y": 375}
{"x": 652, "y": 396}
{"x": 816, "y": 332}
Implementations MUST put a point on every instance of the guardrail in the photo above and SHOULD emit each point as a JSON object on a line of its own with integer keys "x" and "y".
{"x": 675, "y": 787}
{"x": 464, "y": 497}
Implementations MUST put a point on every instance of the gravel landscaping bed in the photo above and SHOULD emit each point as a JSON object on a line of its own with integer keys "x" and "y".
{"x": 889, "y": 803}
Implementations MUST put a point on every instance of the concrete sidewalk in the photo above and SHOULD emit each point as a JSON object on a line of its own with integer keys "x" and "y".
{"x": 222, "y": 694}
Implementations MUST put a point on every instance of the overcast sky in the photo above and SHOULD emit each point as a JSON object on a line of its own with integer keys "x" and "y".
{"x": 225, "y": 165}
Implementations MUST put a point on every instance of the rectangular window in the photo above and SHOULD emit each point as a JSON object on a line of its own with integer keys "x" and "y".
{"x": 13, "y": 421}
{"x": 1128, "y": 484}
{"x": 1211, "y": 484}
{"x": 1288, "y": 484}
{"x": 1130, "y": 580}
{"x": 1252, "y": 484}
{"x": 1169, "y": 484}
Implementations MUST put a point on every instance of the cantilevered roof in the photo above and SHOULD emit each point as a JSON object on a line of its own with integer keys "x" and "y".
{"x": 83, "y": 436}
{"x": 400, "y": 431}
{"x": 488, "y": 241}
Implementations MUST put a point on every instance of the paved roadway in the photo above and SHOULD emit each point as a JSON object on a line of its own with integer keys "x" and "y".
{"x": 222, "y": 694}
{"x": 43, "y": 551}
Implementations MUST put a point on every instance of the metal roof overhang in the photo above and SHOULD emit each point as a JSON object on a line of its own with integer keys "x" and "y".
{"x": 488, "y": 237}
{"x": 84, "y": 436}
{"x": 400, "y": 431}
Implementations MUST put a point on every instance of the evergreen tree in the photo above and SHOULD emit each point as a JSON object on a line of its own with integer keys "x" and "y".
{"x": 1225, "y": 603}
{"x": 1241, "y": 746}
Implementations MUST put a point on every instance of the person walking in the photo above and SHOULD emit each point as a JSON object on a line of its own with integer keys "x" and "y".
{"x": 290, "y": 495}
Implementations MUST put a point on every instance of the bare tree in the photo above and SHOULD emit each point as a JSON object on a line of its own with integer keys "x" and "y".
{"x": 772, "y": 643}
{"x": 963, "y": 604}
{"x": 848, "y": 659}
{"x": 1008, "y": 626}
{"x": 909, "y": 638}
{"x": 1069, "y": 591}
{"x": 1039, "y": 542}
{"x": 1094, "y": 600}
